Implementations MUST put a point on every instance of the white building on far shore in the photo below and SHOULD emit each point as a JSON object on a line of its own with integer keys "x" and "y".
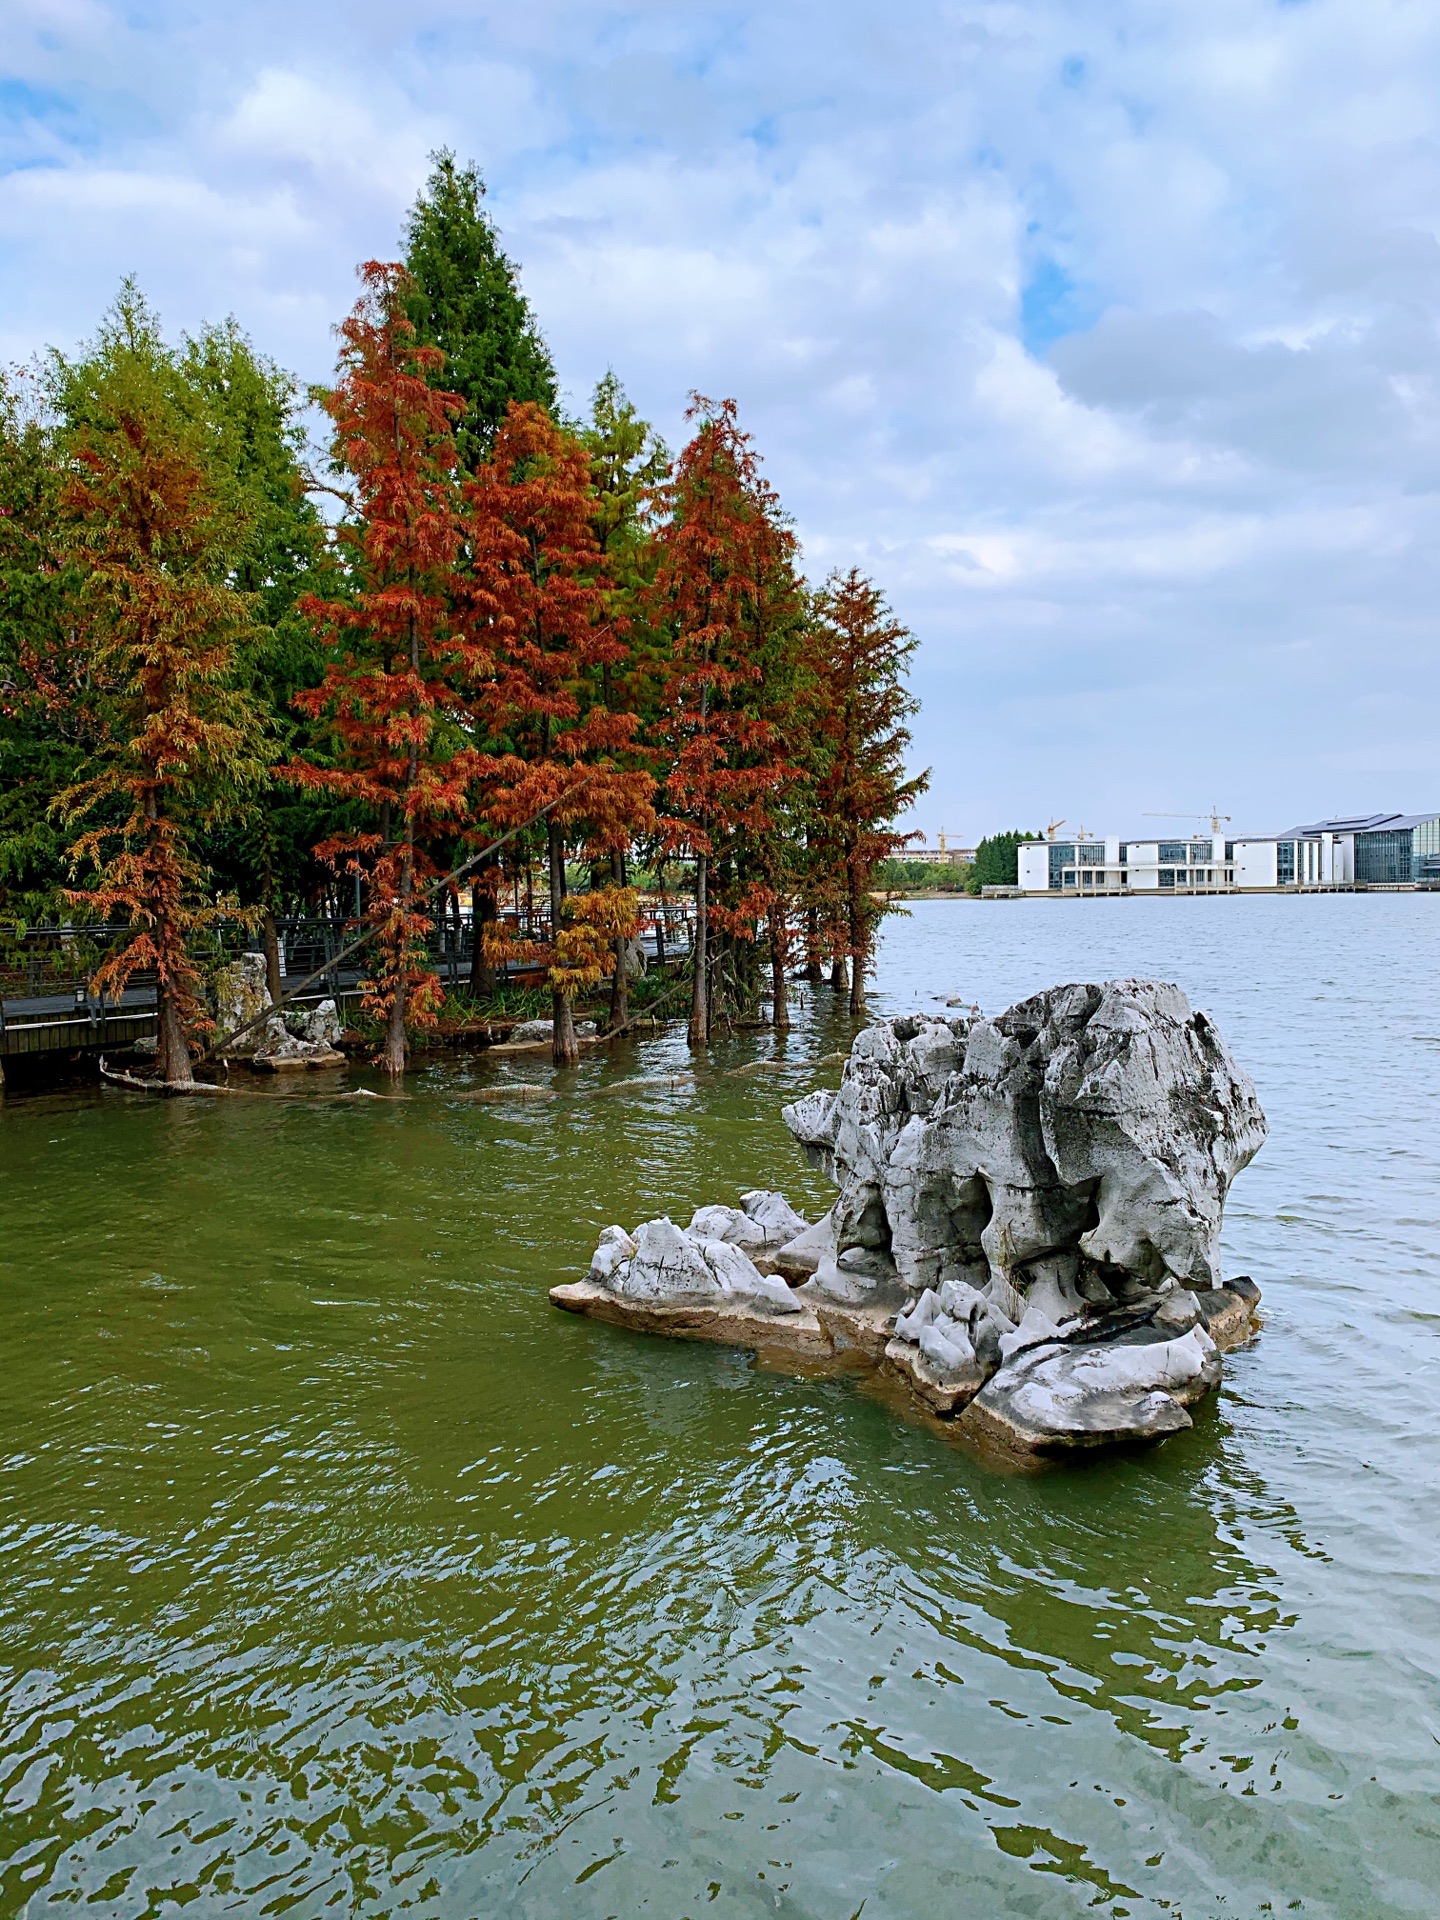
{"x": 1387, "y": 850}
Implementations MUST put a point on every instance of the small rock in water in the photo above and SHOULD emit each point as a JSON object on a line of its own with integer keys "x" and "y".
{"x": 533, "y": 1030}
{"x": 673, "y": 1080}
{"x": 522, "y": 1090}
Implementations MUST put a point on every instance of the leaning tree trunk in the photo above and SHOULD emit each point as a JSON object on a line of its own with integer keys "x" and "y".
{"x": 565, "y": 1050}
{"x": 699, "y": 990}
{"x": 270, "y": 935}
{"x": 482, "y": 912}
{"x": 392, "y": 1058}
{"x": 715, "y": 995}
{"x": 620, "y": 985}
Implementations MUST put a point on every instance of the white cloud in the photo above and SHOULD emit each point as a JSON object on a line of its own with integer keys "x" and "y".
{"x": 1104, "y": 334}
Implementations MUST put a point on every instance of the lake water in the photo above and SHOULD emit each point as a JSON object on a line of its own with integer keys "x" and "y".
{"x": 340, "y": 1574}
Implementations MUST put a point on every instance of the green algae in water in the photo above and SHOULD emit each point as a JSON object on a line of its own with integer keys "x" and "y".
{"x": 342, "y": 1574}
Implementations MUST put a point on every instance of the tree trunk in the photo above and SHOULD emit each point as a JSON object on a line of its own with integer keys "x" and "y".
{"x": 812, "y": 945}
{"x": 839, "y": 973}
{"x": 270, "y": 934}
{"x": 699, "y": 991}
{"x": 714, "y": 975}
{"x": 660, "y": 916}
{"x": 565, "y": 1051}
{"x": 779, "y": 994}
{"x": 857, "y": 976}
{"x": 173, "y": 1054}
{"x": 620, "y": 985}
{"x": 392, "y": 1059}
{"x": 482, "y": 912}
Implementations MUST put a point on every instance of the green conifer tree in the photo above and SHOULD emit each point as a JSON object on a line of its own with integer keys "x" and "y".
{"x": 467, "y": 301}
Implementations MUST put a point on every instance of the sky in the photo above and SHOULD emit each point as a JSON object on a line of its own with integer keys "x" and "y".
{"x": 1101, "y": 334}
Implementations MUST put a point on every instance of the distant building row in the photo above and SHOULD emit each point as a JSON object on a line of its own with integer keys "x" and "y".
{"x": 1375, "y": 850}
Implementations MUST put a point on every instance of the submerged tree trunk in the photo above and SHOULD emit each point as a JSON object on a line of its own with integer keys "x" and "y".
{"x": 779, "y": 955}
{"x": 839, "y": 973}
{"x": 715, "y": 996}
{"x": 482, "y": 912}
{"x": 173, "y": 1055}
{"x": 812, "y": 945}
{"x": 392, "y": 1058}
{"x": 270, "y": 934}
{"x": 699, "y": 991}
{"x": 859, "y": 950}
{"x": 620, "y": 985}
{"x": 565, "y": 1050}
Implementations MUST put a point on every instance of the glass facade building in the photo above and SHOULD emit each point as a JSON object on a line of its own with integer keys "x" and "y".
{"x": 1385, "y": 859}
{"x": 1356, "y": 851}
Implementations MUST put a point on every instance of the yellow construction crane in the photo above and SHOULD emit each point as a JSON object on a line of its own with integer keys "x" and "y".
{"x": 1215, "y": 817}
{"x": 1053, "y": 828}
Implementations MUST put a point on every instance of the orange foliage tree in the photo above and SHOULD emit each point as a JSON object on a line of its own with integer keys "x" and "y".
{"x": 174, "y": 742}
{"x": 542, "y": 592}
{"x": 724, "y": 756}
{"x": 402, "y": 664}
{"x": 858, "y": 738}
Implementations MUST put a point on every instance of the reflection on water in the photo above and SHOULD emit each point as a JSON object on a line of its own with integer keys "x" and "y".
{"x": 343, "y": 1575}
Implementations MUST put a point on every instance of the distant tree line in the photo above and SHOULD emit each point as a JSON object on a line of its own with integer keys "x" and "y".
{"x": 996, "y": 864}
{"x": 237, "y": 679}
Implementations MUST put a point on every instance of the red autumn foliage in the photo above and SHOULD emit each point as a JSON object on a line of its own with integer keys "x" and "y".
{"x": 859, "y": 707}
{"x": 169, "y": 731}
{"x": 726, "y": 760}
{"x": 541, "y": 592}
{"x": 399, "y": 684}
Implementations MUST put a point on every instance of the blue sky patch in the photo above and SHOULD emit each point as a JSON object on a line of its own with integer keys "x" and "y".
{"x": 1051, "y": 305}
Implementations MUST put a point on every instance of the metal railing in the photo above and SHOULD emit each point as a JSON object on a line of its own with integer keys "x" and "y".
{"x": 51, "y": 968}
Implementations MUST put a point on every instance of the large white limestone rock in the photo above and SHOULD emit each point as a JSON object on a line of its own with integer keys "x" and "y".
{"x": 1027, "y": 1227}
{"x": 1078, "y": 1147}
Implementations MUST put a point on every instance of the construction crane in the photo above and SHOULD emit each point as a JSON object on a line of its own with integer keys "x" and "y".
{"x": 1215, "y": 817}
{"x": 1053, "y": 828}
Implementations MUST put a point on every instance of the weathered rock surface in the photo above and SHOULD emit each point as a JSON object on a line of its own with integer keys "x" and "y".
{"x": 661, "y": 1264}
{"x": 1028, "y": 1221}
{"x": 281, "y": 1050}
{"x": 532, "y": 1032}
{"x": 241, "y": 995}
{"x": 320, "y": 1025}
{"x": 297, "y": 1039}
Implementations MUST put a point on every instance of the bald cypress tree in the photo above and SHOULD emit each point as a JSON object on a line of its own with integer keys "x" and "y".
{"x": 466, "y": 300}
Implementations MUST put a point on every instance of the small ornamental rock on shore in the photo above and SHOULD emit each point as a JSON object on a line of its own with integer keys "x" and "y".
{"x": 1027, "y": 1229}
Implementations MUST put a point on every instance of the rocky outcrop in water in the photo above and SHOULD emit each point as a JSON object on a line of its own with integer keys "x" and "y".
{"x": 298, "y": 1039}
{"x": 1027, "y": 1228}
